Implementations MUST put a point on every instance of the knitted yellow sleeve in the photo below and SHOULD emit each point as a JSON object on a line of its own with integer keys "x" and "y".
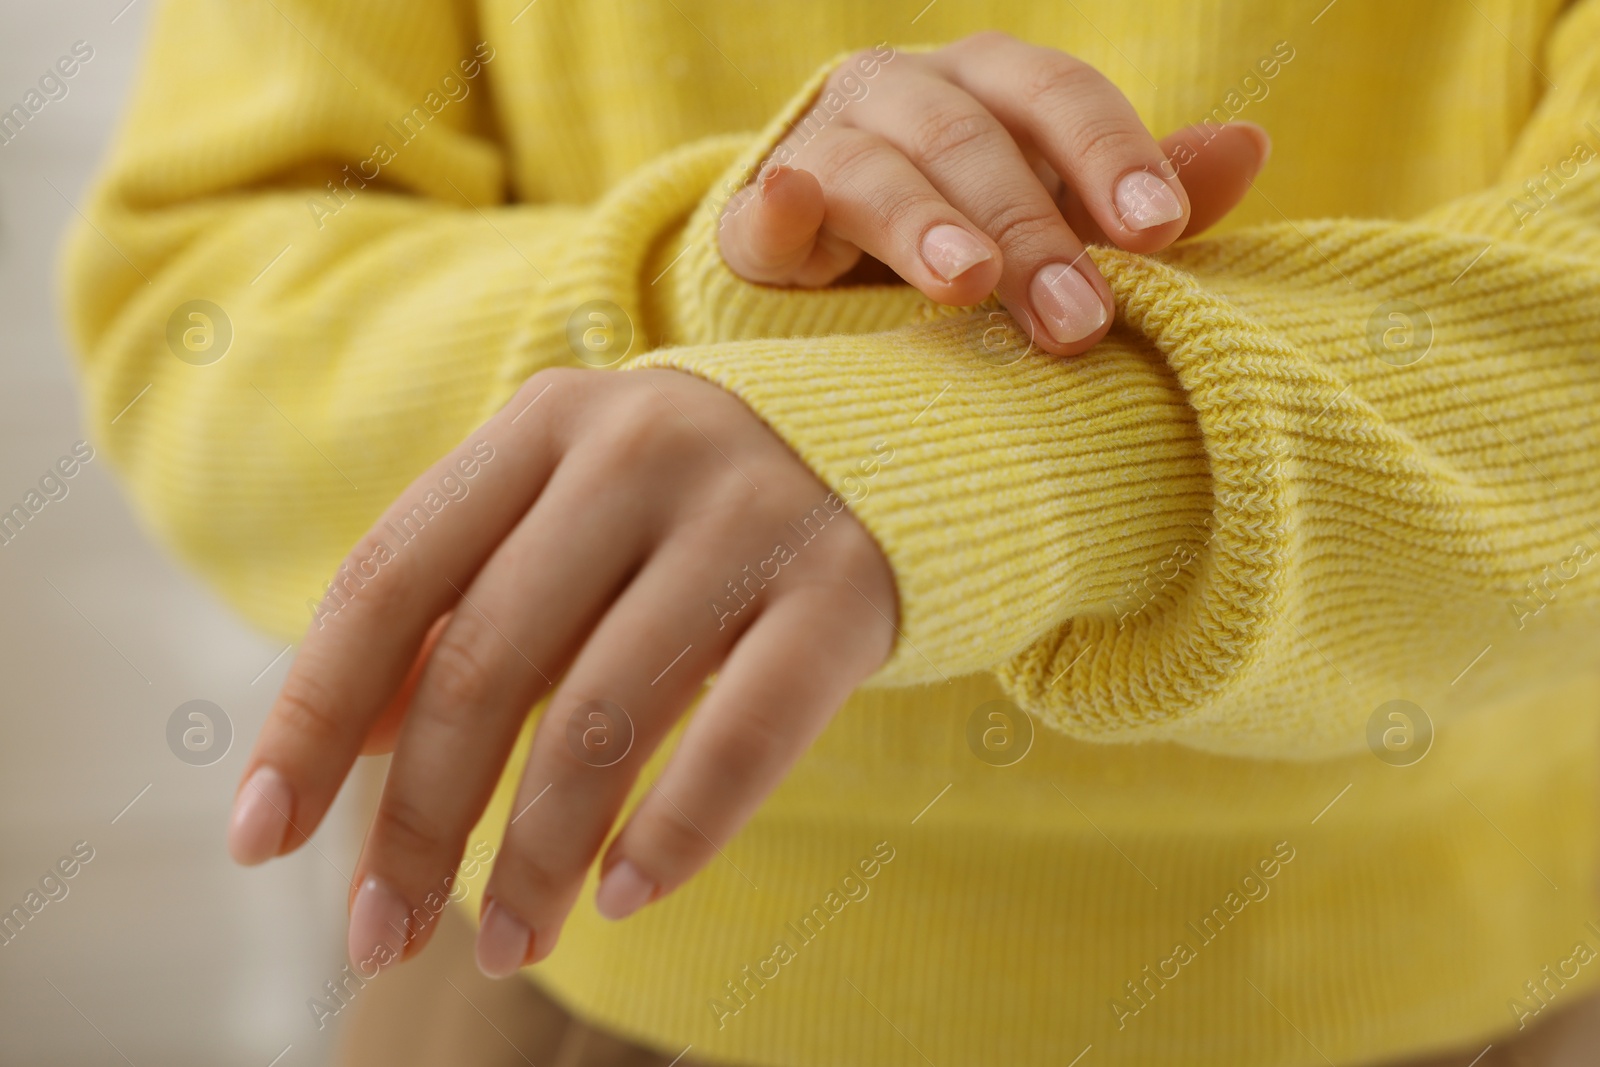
{"x": 279, "y": 325}
{"x": 1316, "y": 466}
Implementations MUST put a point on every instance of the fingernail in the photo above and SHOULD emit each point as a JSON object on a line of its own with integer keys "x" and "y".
{"x": 623, "y": 891}
{"x": 1144, "y": 200}
{"x": 378, "y": 931}
{"x": 769, "y": 174}
{"x": 503, "y": 942}
{"x": 951, "y": 251}
{"x": 1070, "y": 307}
{"x": 260, "y": 817}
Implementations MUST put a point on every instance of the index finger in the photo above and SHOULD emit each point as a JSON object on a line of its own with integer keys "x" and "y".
{"x": 1086, "y": 130}
{"x": 400, "y": 577}
{"x": 780, "y": 687}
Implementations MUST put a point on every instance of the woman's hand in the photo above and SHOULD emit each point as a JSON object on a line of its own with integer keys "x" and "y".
{"x": 983, "y": 167}
{"x": 628, "y": 534}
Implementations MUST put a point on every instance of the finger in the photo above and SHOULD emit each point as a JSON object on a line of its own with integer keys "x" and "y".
{"x": 781, "y": 685}
{"x": 1216, "y": 164}
{"x": 975, "y": 164}
{"x": 639, "y": 670}
{"x": 381, "y": 737}
{"x": 518, "y": 625}
{"x": 774, "y": 234}
{"x": 394, "y": 584}
{"x": 1084, "y": 127}
{"x": 878, "y": 201}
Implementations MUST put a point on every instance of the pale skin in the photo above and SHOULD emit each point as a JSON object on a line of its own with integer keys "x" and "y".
{"x": 984, "y": 168}
{"x": 583, "y": 563}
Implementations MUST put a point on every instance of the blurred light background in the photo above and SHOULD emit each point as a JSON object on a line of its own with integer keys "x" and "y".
{"x": 161, "y": 952}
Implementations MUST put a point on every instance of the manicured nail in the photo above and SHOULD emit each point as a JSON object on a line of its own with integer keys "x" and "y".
{"x": 1144, "y": 200}
{"x": 623, "y": 891}
{"x": 503, "y": 942}
{"x": 951, "y": 251}
{"x": 260, "y": 817}
{"x": 1070, "y": 307}
{"x": 769, "y": 174}
{"x": 378, "y": 931}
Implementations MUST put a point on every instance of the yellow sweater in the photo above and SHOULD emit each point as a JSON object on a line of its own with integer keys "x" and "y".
{"x": 1341, "y": 454}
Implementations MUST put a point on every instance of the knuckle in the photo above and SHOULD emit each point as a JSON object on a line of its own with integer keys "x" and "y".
{"x": 1023, "y": 225}
{"x": 854, "y": 163}
{"x": 407, "y": 828}
{"x": 752, "y": 742}
{"x": 527, "y": 879}
{"x": 458, "y": 672}
{"x": 951, "y": 131}
{"x": 905, "y": 212}
{"x": 1056, "y": 81}
{"x": 548, "y": 377}
{"x": 1102, "y": 138}
{"x": 644, "y": 430}
{"x": 567, "y": 383}
{"x": 306, "y": 709}
{"x": 847, "y": 154}
{"x": 723, "y": 515}
{"x": 673, "y": 840}
{"x": 984, "y": 40}
{"x": 727, "y": 503}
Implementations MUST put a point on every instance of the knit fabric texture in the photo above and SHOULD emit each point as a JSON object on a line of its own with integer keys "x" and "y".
{"x": 1325, "y": 498}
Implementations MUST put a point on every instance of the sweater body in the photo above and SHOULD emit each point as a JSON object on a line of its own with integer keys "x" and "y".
{"x": 1243, "y": 712}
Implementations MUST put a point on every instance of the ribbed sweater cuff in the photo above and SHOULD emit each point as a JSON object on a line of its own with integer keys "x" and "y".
{"x": 988, "y": 555}
{"x": 1049, "y": 524}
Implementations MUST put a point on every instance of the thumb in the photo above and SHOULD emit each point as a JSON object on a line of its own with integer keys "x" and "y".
{"x": 1216, "y": 165}
{"x": 772, "y": 232}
